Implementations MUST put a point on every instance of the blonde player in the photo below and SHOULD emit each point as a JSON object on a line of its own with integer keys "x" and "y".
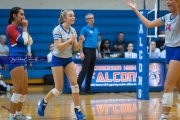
{"x": 172, "y": 41}
{"x": 64, "y": 39}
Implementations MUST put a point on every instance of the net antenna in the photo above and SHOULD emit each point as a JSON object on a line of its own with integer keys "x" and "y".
{"x": 149, "y": 37}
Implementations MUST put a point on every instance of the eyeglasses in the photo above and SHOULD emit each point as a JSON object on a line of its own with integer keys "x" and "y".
{"x": 90, "y": 18}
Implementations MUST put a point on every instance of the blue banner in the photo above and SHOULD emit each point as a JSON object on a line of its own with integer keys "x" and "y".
{"x": 115, "y": 76}
{"x": 142, "y": 89}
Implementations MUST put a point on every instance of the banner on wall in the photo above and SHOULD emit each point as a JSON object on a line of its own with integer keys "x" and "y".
{"x": 122, "y": 75}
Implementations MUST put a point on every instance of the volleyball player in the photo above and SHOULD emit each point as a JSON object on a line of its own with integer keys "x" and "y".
{"x": 18, "y": 39}
{"x": 64, "y": 39}
{"x": 172, "y": 41}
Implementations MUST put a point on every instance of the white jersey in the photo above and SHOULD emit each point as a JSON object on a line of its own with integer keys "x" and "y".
{"x": 49, "y": 57}
{"x": 60, "y": 34}
{"x": 172, "y": 30}
{"x": 130, "y": 55}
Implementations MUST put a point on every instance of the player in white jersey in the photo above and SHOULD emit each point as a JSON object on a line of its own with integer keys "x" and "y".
{"x": 64, "y": 38}
{"x": 172, "y": 41}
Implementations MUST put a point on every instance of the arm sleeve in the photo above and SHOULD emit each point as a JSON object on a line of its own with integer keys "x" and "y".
{"x": 162, "y": 19}
{"x": 56, "y": 34}
{"x": 14, "y": 34}
{"x": 30, "y": 40}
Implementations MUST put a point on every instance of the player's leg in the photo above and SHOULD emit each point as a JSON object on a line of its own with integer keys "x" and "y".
{"x": 58, "y": 80}
{"x": 70, "y": 71}
{"x": 178, "y": 88}
{"x": 17, "y": 80}
{"x": 171, "y": 80}
{"x": 19, "y": 114}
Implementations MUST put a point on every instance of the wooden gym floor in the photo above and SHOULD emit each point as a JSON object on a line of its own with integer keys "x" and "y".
{"x": 101, "y": 106}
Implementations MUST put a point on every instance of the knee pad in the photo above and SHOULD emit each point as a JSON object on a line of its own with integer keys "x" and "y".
{"x": 55, "y": 92}
{"x": 23, "y": 97}
{"x": 167, "y": 100}
{"x": 16, "y": 98}
{"x": 75, "y": 89}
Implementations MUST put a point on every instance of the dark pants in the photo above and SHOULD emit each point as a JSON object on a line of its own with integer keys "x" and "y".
{"x": 87, "y": 68}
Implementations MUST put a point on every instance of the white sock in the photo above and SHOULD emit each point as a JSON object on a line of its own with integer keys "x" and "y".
{"x": 77, "y": 107}
{"x": 45, "y": 101}
{"x": 163, "y": 116}
{"x": 18, "y": 112}
{"x": 12, "y": 115}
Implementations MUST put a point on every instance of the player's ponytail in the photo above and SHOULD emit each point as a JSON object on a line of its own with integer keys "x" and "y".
{"x": 63, "y": 15}
{"x": 14, "y": 10}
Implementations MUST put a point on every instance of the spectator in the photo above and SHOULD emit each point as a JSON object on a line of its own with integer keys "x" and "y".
{"x": 155, "y": 52}
{"x": 161, "y": 42}
{"x": 120, "y": 45}
{"x": 105, "y": 48}
{"x": 4, "y": 50}
{"x": 130, "y": 53}
{"x": 49, "y": 56}
{"x": 3, "y": 85}
{"x": 99, "y": 43}
{"x": 99, "y": 38}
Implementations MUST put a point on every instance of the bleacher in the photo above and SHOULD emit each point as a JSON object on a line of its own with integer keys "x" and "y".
{"x": 42, "y": 23}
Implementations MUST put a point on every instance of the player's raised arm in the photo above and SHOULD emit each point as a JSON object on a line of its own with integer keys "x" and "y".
{"x": 146, "y": 22}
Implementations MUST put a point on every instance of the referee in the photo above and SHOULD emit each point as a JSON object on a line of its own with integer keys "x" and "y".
{"x": 88, "y": 53}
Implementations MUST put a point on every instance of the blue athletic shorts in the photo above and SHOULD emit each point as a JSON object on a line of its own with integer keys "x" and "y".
{"x": 16, "y": 60}
{"x": 56, "y": 61}
{"x": 172, "y": 53}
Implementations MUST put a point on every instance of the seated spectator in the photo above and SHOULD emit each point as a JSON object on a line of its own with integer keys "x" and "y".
{"x": 3, "y": 85}
{"x": 155, "y": 52}
{"x": 99, "y": 38}
{"x": 120, "y": 45}
{"x": 99, "y": 42}
{"x": 49, "y": 56}
{"x": 130, "y": 53}
{"x": 4, "y": 51}
{"x": 105, "y": 48}
{"x": 163, "y": 54}
{"x": 29, "y": 55}
{"x": 161, "y": 42}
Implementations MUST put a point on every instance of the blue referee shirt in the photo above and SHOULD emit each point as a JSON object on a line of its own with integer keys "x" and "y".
{"x": 91, "y": 36}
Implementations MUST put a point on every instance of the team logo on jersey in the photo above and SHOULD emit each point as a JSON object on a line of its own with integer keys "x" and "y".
{"x": 91, "y": 32}
{"x": 168, "y": 27}
{"x": 155, "y": 76}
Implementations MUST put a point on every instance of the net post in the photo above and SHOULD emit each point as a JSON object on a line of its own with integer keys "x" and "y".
{"x": 142, "y": 79}
{"x": 155, "y": 16}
